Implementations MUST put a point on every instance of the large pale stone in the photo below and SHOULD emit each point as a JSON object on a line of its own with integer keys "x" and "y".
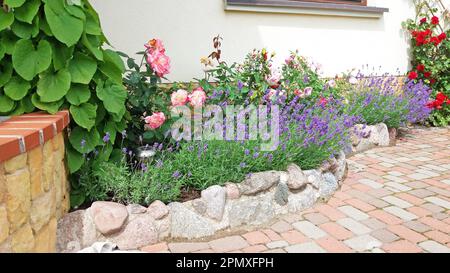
{"x": 158, "y": 210}
{"x": 18, "y": 198}
{"x": 187, "y": 224}
{"x": 41, "y": 211}
{"x": 342, "y": 167}
{"x": 199, "y": 205}
{"x": 4, "y": 225}
{"x": 232, "y": 191}
{"x": 296, "y": 178}
{"x": 109, "y": 217}
{"x": 328, "y": 185}
{"x": 139, "y": 232}
{"x": 303, "y": 200}
{"x": 214, "y": 198}
{"x": 259, "y": 182}
{"x": 75, "y": 231}
{"x": 313, "y": 177}
{"x": 380, "y": 135}
{"x": 22, "y": 240}
{"x": 48, "y": 166}
{"x": 370, "y": 136}
{"x": 2, "y": 184}
{"x": 136, "y": 209}
{"x": 36, "y": 176}
{"x": 251, "y": 211}
{"x": 42, "y": 240}
{"x": 15, "y": 163}
{"x": 52, "y": 231}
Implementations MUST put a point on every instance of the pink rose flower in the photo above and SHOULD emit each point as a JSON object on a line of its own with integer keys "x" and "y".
{"x": 274, "y": 79}
{"x": 155, "y": 45}
{"x": 179, "y": 98}
{"x": 308, "y": 91}
{"x": 323, "y": 102}
{"x": 159, "y": 62}
{"x": 155, "y": 121}
{"x": 197, "y": 98}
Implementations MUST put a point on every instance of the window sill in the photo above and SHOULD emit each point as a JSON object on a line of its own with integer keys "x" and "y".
{"x": 309, "y": 8}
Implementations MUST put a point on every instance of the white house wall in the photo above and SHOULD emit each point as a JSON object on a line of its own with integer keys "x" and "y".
{"x": 188, "y": 26}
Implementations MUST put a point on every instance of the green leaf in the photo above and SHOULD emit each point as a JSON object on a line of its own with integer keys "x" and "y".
{"x": 51, "y": 107}
{"x": 14, "y": 3}
{"x": 77, "y": 199}
{"x": 25, "y": 30}
{"x": 110, "y": 128}
{"x": 92, "y": 25}
{"x": 93, "y": 45}
{"x": 78, "y": 136}
{"x": 78, "y": 94}
{"x": 2, "y": 51}
{"x": 113, "y": 97}
{"x": 43, "y": 25}
{"x": 6, "y": 19}
{"x": 24, "y": 106}
{"x": 17, "y": 88}
{"x": 74, "y": 160}
{"x": 76, "y": 12}
{"x": 82, "y": 68}
{"x": 6, "y": 71}
{"x": 29, "y": 61}
{"x": 66, "y": 28}
{"x": 84, "y": 115}
{"x": 6, "y": 104}
{"x": 53, "y": 86}
{"x": 28, "y": 11}
{"x": 114, "y": 58}
{"x": 110, "y": 70}
{"x": 61, "y": 55}
{"x": 9, "y": 41}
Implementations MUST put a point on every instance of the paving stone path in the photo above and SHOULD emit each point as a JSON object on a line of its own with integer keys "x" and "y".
{"x": 395, "y": 199}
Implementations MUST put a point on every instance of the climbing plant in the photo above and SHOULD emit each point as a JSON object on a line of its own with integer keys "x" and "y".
{"x": 51, "y": 58}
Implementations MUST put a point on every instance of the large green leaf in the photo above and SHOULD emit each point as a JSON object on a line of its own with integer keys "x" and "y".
{"x": 78, "y": 94}
{"x": 93, "y": 45}
{"x": 29, "y": 61}
{"x": 25, "y": 30}
{"x": 61, "y": 55}
{"x": 9, "y": 41}
{"x": 14, "y": 3}
{"x": 92, "y": 25}
{"x": 82, "y": 68}
{"x": 28, "y": 11}
{"x": 2, "y": 51}
{"x": 114, "y": 58}
{"x": 17, "y": 88}
{"x": 6, "y": 104}
{"x": 53, "y": 86}
{"x": 84, "y": 141}
{"x": 6, "y": 19}
{"x": 51, "y": 107}
{"x": 6, "y": 71}
{"x": 64, "y": 26}
{"x": 113, "y": 96}
{"x": 110, "y": 70}
{"x": 84, "y": 115}
{"x": 24, "y": 106}
{"x": 74, "y": 159}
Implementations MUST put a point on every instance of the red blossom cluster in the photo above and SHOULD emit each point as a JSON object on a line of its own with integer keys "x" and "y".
{"x": 440, "y": 100}
{"x": 426, "y": 36}
{"x": 420, "y": 69}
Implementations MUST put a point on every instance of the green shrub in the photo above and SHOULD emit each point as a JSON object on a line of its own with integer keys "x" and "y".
{"x": 51, "y": 58}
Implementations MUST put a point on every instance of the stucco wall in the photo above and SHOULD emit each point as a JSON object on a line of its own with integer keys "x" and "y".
{"x": 187, "y": 28}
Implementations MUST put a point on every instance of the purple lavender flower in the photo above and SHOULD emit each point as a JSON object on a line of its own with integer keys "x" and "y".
{"x": 242, "y": 165}
{"x": 144, "y": 167}
{"x": 176, "y": 175}
{"x": 256, "y": 155}
{"x": 159, "y": 163}
{"x": 247, "y": 151}
{"x": 240, "y": 85}
{"x": 107, "y": 137}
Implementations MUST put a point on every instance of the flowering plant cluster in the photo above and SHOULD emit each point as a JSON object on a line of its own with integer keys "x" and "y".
{"x": 431, "y": 54}
{"x": 389, "y": 100}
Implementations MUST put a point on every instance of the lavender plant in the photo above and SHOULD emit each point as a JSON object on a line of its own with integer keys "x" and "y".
{"x": 389, "y": 100}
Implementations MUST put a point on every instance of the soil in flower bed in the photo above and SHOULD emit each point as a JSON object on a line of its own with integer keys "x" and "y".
{"x": 188, "y": 194}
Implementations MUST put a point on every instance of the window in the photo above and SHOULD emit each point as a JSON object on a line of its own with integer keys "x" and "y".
{"x": 348, "y": 8}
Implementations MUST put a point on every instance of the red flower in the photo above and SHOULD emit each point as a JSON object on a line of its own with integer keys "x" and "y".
{"x": 412, "y": 75}
{"x": 427, "y": 32}
{"x": 423, "y": 20}
{"x": 323, "y": 101}
{"x": 442, "y": 36}
{"x": 435, "y": 20}
{"x": 440, "y": 97}
{"x": 432, "y": 81}
{"x": 414, "y": 33}
{"x": 420, "y": 68}
{"x": 427, "y": 74}
{"x": 435, "y": 41}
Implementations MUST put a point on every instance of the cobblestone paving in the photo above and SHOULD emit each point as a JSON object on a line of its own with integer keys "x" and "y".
{"x": 395, "y": 199}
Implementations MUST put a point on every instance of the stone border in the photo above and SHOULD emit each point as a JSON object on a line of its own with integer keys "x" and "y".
{"x": 257, "y": 200}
